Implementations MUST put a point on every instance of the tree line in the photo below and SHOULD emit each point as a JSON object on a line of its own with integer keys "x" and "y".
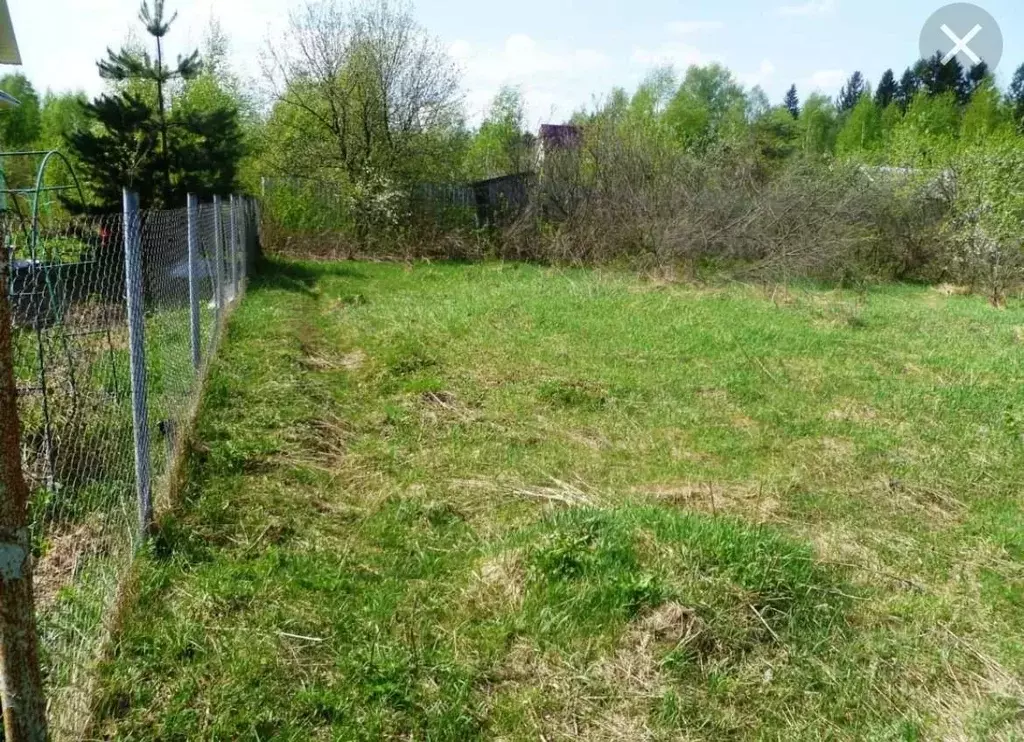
{"x": 343, "y": 111}
{"x": 364, "y": 97}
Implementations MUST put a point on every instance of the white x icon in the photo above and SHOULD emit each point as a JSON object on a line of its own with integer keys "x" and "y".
{"x": 961, "y": 44}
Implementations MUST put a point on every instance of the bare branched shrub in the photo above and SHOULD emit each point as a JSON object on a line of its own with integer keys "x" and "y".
{"x": 624, "y": 196}
{"x": 842, "y": 223}
{"x": 909, "y": 219}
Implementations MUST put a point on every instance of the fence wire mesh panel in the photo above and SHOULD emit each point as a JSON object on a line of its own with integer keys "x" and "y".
{"x": 67, "y": 292}
{"x": 209, "y": 306}
{"x": 67, "y": 288}
{"x": 170, "y": 373}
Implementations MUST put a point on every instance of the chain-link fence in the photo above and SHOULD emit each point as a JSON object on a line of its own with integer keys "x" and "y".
{"x": 97, "y": 302}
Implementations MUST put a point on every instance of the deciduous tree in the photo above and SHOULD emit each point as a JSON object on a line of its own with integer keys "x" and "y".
{"x": 21, "y": 125}
{"x": 984, "y": 115}
{"x": 20, "y": 128}
{"x": 501, "y": 146}
{"x": 360, "y": 90}
{"x": 818, "y": 124}
{"x": 708, "y": 107}
{"x": 861, "y": 133}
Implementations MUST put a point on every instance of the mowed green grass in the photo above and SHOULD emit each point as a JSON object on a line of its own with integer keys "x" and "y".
{"x": 508, "y": 502}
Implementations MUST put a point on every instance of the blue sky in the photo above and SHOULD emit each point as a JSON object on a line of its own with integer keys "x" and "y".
{"x": 563, "y": 54}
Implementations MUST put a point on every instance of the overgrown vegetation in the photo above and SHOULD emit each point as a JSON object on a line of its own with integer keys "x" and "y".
{"x": 365, "y": 146}
{"x": 914, "y": 180}
{"x": 504, "y": 501}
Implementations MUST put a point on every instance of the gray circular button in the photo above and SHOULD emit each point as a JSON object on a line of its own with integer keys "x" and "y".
{"x": 964, "y": 31}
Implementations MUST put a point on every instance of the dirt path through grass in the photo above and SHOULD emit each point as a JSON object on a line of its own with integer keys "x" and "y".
{"x": 505, "y": 502}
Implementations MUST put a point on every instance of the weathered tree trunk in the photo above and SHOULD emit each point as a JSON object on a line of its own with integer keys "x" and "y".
{"x": 20, "y": 682}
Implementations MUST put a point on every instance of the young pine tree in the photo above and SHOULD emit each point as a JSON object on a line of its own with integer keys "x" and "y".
{"x": 158, "y": 152}
{"x": 116, "y": 150}
{"x": 792, "y": 102}
{"x": 125, "y": 65}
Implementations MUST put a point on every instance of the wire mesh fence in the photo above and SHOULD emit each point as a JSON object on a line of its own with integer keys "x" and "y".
{"x": 74, "y": 351}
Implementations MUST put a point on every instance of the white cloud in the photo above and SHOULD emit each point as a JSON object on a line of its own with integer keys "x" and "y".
{"x": 675, "y": 53}
{"x": 811, "y": 7}
{"x": 691, "y": 27}
{"x": 764, "y": 73}
{"x": 825, "y": 81}
{"x": 521, "y": 57}
{"x": 554, "y": 79}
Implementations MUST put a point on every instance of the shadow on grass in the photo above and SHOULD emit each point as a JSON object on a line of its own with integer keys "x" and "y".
{"x": 274, "y": 274}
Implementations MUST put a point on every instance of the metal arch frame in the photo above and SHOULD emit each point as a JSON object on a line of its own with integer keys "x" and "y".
{"x": 32, "y": 234}
{"x": 41, "y": 188}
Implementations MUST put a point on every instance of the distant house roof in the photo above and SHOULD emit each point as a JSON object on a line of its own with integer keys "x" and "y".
{"x": 561, "y": 135}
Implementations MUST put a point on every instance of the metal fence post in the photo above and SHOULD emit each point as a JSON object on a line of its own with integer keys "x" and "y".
{"x": 250, "y": 233}
{"x": 234, "y": 247}
{"x": 246, "y": 236}
{"x": 21, "y": 687}
{"x": 218, "y": 260}
{"x": 137, "y": 356}
{"x": 193, "y": 277}
{"x": 243, "y": 228}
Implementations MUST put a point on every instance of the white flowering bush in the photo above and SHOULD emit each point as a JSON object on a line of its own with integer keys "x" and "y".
{"x": 380, "y": 207}
{"x": 986, "y": 228}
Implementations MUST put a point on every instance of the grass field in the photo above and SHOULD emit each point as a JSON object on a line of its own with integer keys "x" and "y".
{"x": 508, "y": 502}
